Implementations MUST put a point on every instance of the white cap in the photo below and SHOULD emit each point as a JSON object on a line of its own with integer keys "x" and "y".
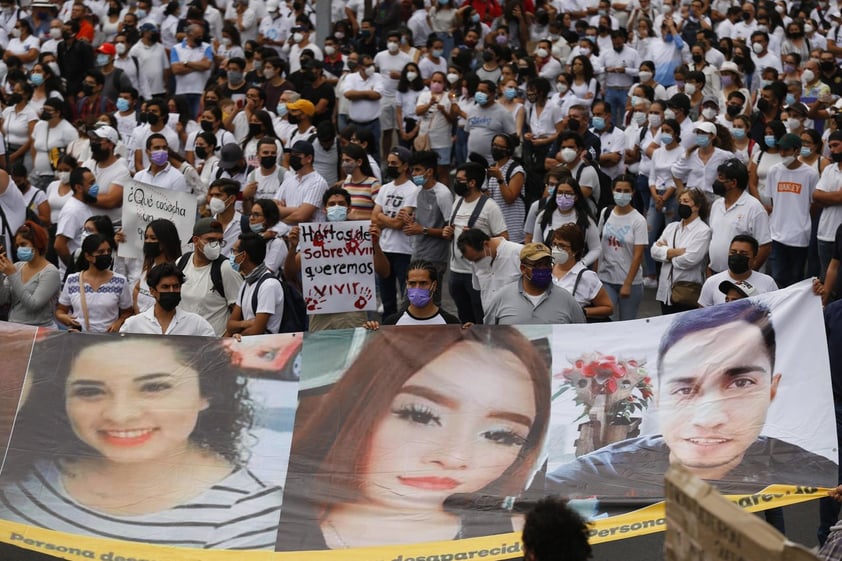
{"x": 705, "y": 127}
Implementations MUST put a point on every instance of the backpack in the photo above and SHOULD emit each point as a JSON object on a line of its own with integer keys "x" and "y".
{"x": 215, "y": 272}
{"x": 30, "y": 212}
{"x": 606, "y": 197}
{"x": 294, "y": 316}
{"x": 474, "y": 215}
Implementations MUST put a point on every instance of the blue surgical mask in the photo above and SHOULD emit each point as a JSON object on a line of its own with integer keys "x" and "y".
{"x": 622, "y": 199}
{"x": 770, "y": 141}
{"x": 122, "y": 104}
{"x": 281, "y": 110}
{"x": 101, "y": 60}
{"x": 232, "y": 260}
{"x": 93, "y": 190}
{"x": 805, "y": 151}
{"x": 510, "y": 93}
{"x": 257, "y": 227}
{"x": 481, "y": 98}
{"x": 790, "y": 99}
{"x": 418, "y": 180}
{"x": 438, "y": 52}
{"x": 739, "y": 133}
{"x": 702, "y": 140}
{"x": 336, "y": 213}
{"x": 598, "y": 123}
{"x": 36, "y": 79}
{"x": 666, "y": 138}
{"x": 25, "y": 254}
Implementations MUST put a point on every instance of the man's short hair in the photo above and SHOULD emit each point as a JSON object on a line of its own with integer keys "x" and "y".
{"x": 570, "y": 135}
{"x": 154, "y": 136}
{"x": 746, "y": 238}
{"x": 336, "y": 191}
{"x": 473, "y": 171}
{"x": 473, "y": 238}
{"x": 228, "y": 186}
{"x": 554, "y": 531}
{"x": 736, "y": 170}
{"x": 161, "y": 271}
{"x": 254, "y": 245}
{"x": 745, "y": 310}
{"x": 425, "y": 158}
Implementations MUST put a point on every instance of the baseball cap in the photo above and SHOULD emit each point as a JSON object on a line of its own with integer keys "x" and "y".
{"x": 230, "y": 155}
{"x": 207, "y": 226}
{"x": 680, "y": 101}
{"x": 535, "y": 252}
{"x": 304, "y": 105}
{"x": 729, "y": 66}
{"x": 302, "y": 147}
{"x": 711, "y": 99}
{"x": 705, "y": 127}
{"x": 743, "y": 287}
{"x": 107, "y": 49}
{"x": 402, "y": 153}
{"x": 148, "y": 26}
{"x": 789, "y": 140}
{"x": 106, "y": 132}
{"x": 311, "y": 63}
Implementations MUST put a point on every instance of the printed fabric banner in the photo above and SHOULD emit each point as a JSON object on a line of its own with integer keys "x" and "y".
{"x": 143, "y": 203}
{"x": 419, "y": 443}
{"x": 337, "y": 267}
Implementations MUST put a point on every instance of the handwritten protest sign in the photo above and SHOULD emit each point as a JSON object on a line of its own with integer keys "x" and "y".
{"x": 143, "y": 203}
{"x": 337, "y": 267}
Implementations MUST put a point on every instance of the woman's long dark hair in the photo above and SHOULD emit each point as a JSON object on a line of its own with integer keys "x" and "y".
{"x": 582, "y": 208}
{"x": 357, "y": 152}
{"x": 168, "y": 241}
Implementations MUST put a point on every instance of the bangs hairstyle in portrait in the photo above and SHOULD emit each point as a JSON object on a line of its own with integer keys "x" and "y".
{"x": 43, "y": 430}
{"x": 330, "y": 450}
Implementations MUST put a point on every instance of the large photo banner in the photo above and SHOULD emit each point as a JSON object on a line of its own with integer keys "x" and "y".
{"x": 409, "y": 443}
{"x": 143, "y": 203}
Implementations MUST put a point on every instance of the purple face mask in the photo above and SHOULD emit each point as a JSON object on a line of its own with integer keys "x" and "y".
{"x": 419, "y": 297}
{"x": 541, "y": 278}
{"x": 159, "y": 157}
{"x": 565, "y": 201}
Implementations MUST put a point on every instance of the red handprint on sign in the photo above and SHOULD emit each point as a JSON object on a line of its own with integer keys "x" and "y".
{"x": 364, "y": 297}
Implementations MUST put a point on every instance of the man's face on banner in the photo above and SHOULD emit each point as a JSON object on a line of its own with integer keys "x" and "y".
{"x": 714, "y": 390}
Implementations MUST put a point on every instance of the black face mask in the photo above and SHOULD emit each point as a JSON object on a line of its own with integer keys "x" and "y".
{"x": 293, "y": 119}
{"x": 573, "y": 124}
{"x": 837, "y": 158}
{"x": 87, "y": 89}
{"x": 15, "y": 98}
{"x": 826, "y": 66}
{"x": 487, "y": 56}
{"x": 152, "y": 118}
{"x": 207, "y": 126}
{"x": 618, "y": 49}
{"x": 201, "y": 152}
{"x": 103, "y": 262}
{"x": 763, "y": 104}
{"x": 698, "y": 58}
{"x": 249, "y": 54}
{"x": 738, "y": 60}
{"x": 733, "y": 110}
{"x": 98, "y": 153}
{"x": 460, "y": 188}
{"x": 392, "y": 171}
{"x": 295, "y": 162}
{"x": 255, "y": 128}
{"x": 746, "y": 16}
{"x": 499, "y": 153}
{"x": 738, "y": 264}
{"x": 151, "y": 249}
{"x": 685, "y": 211}
{"x": 602, "y": 29}
{"x": 46, "y": 116}
{"x": 268, "y": 162}
{"x": 169, "y": 300}
{"x": 718, "y": 188}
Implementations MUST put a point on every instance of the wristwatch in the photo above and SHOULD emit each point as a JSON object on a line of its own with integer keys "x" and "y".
{"x": 426, "y": 231}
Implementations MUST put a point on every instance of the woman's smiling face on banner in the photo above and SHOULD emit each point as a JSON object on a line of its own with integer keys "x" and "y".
{"x": 454, "y": 427}
{"x": 133, "y": 401}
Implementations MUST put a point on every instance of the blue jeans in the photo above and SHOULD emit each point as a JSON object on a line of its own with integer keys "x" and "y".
{"x": 460, "y": 155}
{"x": 617, "y": 98}
{"x": 788, "y": 263}
{"x": 656, "y": 221}
{"x": 467, "y": 300}
{"x": 399, "y": 265}
{"x": 624, "y": 308}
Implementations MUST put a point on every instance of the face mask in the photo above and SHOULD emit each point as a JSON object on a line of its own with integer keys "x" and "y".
{"x": 598, "y": 123}
{"x": 826, "y": 66}
{"x": 757, "y": 48}
{"x": 733, "y": 110}
{"x": 770, "y": 141}
{"x": 437, "y": 53}
{"x": 393, "y": 47}
{"x": 201, "y": 152}
{"x": 690, "y": 89}
{"x": 739, "y": 134}
{"x": 141, "y": 13}
{"x": 419, "y": 297}
{"x": 297, "y": 37}
{"x": 452, "y": 78}
{"x": 541, "y": 53}
{"x": 764, "y": 105}
{"x": 787, "y": 160}
{"x": 152, "y": 118}
{"x": 159, "y": 157}
{"x": 257, "y": 228}
{"x": 369, "y": 71}
{"x": 738, "y": 264}
{"x": 702, "y": 140}
{"x": 808, "y": 29}
{"x": 560, "y": 256}
{"x": 101, "y": 59}
{"x": 235, "y": 76}
{"x": 655, "y": 120}
{"x": 808, "y": 76}
{"x": 697, "y": 59}
{"x": 709, "y": 113}
{"x": 418, "y": 180}
{"x": 411, "y": 76}
{"x": 349, "y": 167}
{"x": 481, "y": 98}
{"x": 645, "y": 75}
{"x": 836, "y": 157}
{"x": 436, "y": 87}
{"x": 541, "y": 278}
{"x": 336, "y": 213}
{"x": 793, "y": 124}
{"x": 339, "y": 35}
{"x": 669, "y": 114}
{"x": 727, "y": 80}
{"x": 103, "y": 262}
{"x": 151, "y": 249}
{"x": 392, "y": 172}
{"x": 568, "y": 154}
{"x": 281, "y": 109}
{"x": 460, "y": 188}
{"x": 212, "y": 250}
{"x": 232, "y": 260}
{"x": 685, "y": 211}
{"x": 25, "y": 254}
{"x": 718, "y": 188}
{"x": 122, "y": 104}
{"x": 639, "y": 118}
{"x": 120, "y": 48}
{"x": 268, "y": 162}
{"x": 36, "y": 79}
{"x": 93, "y": 190}
{"x": 564, "y": 201}
{"x": 217, "y": 206}
{"x": 510, "y": 93}
{"x": 295, "y": 162}
{"x": 169, "y": 300}
{"x": 55, "y": 33}
{"x": 805, "y": 152}
{"x": 352, "y": 65}
{"x": 561, "y": 88}
{"x": 501, "y": 39}
{"x": 15, "y": 98}
{"x": 64, "y": 177}
{"x": 622, "y": 199}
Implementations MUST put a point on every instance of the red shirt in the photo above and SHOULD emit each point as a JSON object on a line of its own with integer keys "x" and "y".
{"x": 488, "y": 10}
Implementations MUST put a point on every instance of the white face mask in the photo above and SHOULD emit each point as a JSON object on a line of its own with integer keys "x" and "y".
{"x": 669, "y": 114}
{"x": 787, "y": 160}
{"x": 808, "y": 76}
{"x": 120, "y": 48}
{"x": 226, "y": 41}
{"x": 369, "y": 70}
{"x": 452, "y": 78}
{"x": 709, "y": 113}
{"x": 645, "y": 75}
{"x": 568, "y": 154}
{"x": 808, "y": 29}
{"x": 411, "y": 76}
{"x": 55, "y": 33}
{"x": 560, "y": 256}
{"x": 329, "y": 50}
{"x": 639, "y": 117}
{"x": 793, "y": 124}
{"x": 757, "y": 48}
{"x": 212, "y": 250}
{"x": 562, "y": 88}
{"x": 64, "y": 177}
{"x": 297, "y": 37}
{"x": 655, "y": 120}
{"x": 689, "y": 89}
{"x": 217, "y": 206}
{"x": 393, "y": 47}
{"x": 541, "y": 53}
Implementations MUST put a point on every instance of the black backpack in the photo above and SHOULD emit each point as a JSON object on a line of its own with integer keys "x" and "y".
{"x": 606, "y": 197}
{"x": 215, "y": 272}
{"x": 294, "y": 318}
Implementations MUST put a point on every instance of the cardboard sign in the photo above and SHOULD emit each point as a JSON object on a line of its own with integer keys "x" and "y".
{"x": 143, "y": 203}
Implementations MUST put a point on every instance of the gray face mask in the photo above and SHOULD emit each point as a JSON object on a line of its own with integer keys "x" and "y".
{"x": 235, "y": 77}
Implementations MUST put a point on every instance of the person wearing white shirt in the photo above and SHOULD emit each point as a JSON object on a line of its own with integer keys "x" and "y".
{"x": 300, "y": 195}
{"x": 748, "y": 25}
{"x": 829, "y": 195}
{"x": 548, "y": 66}
{"x": 71, "y": 219}
{"x": 152, "y": 59}
{"x": 260, "y": 303}
{"x": 419, "y": 24}
{"x": 160, "y": 173}
{"x": 191, "y": 61}
{"x": 762, "y": 56}
{"x": 364, "y": 89}
{"x": 739, "y": 275}
{"x": 165, "y": 317}
{"x": 389, "y": 64}
{"x": 299, "y": 41}
{"x": 495, "y": 261}
{"x": 621, "y": 65}
{"x": 736, "y": 212}
{"x": 697, "y": 170}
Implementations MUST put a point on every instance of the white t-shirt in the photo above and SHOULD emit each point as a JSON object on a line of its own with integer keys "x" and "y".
{"x": 115, "y": 174}
{"x": 153, "y": 61}
{"x": 495, "y": 274}
{"x": 71, "y": 220}
{"x": 558, "y": 220}
{"x": 56, "y": 200}
{"x": 270, "y": 300}
{"x": 45, "y": 139}
{"x": 792, "y": 193}
{"x": 310, "y": 188}
{"x": 831, "y": 182}
{"x": 103, "y": 306}
{"x": 746, "y": 216}
{"x": 620, "y": 235}
{"x": 386, "y": 63}
{"x": 183, "y": 323}
{"x": 588, "y": 287}
{"x": 433, "y": 122}
{"x": 490, "y": 221}
{"x": 711, "y": 295}
{"x": 198, "y": 296}
{"x": 392, "y": 198}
